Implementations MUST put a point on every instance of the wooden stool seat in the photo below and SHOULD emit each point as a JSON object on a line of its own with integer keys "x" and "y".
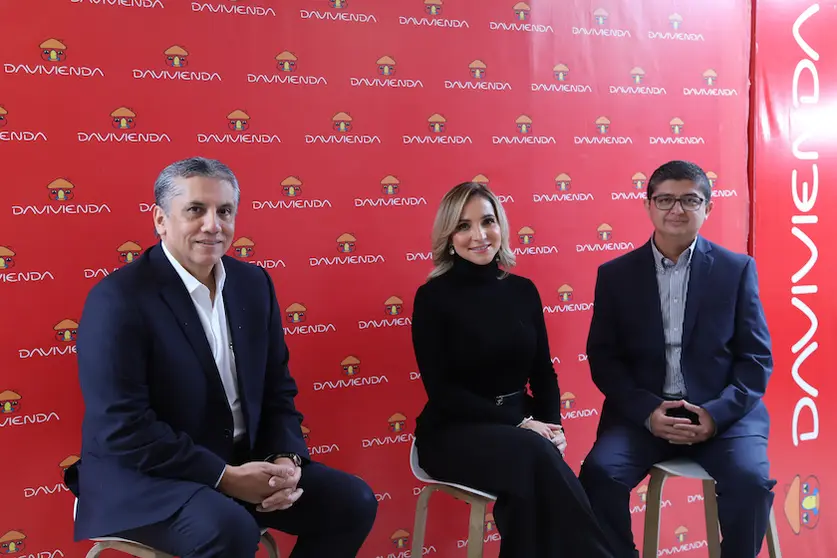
{"x": 687, "y": 468}
{"x": 477, "y": 499}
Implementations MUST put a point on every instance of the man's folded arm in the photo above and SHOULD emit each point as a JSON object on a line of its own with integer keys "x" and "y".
{"x": 280, "y": 430}
{"x": 609, "y": 373}
{"x": 753, "y": 357}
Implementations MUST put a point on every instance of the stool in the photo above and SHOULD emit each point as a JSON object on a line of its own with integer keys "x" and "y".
{"x": 477, "y": 499}
{"x": 139, "y": 550}
{"x": 687, "y": 468}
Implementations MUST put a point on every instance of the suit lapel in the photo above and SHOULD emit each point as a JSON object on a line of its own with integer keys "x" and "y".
{"x": 649, "y": 295}
{"x": 177, "y": 298}
{"x": 235, "y": 307}
{"x": 700, "y": 269}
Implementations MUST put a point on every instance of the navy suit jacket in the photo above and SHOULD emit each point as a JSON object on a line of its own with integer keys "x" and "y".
{"x": 157, "y": 426}
{"x": 726, "y": 355}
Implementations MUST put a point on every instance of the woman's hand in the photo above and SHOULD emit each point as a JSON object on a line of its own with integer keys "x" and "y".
{"x": 558, "y": 437}
{"x": 539, "y": 428}
{"x": 552, "y": 432}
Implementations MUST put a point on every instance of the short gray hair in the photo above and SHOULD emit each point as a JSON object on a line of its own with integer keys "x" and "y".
{"x": 165, "y": 188}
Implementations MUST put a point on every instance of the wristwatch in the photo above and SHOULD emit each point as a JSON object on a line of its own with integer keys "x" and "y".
{"x": 292, "y": 456}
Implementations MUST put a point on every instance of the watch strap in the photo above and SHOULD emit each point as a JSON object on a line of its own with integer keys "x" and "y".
{"x": 292, "y": 456}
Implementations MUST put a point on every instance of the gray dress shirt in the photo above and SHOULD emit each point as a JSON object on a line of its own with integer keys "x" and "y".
{"x": 673, "y": 285}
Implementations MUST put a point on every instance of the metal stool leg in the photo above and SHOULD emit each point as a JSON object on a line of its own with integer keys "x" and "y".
{"x": 476, "y": 528}
{"x": 653, "y": 501}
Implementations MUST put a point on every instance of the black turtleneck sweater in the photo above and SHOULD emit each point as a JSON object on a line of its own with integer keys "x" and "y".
{"x": 476, "y": 337}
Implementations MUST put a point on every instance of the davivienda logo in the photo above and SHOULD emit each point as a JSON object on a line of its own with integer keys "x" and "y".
{"x": 239, "y": 123}
{"x": 289, "y": 70}
{"x": 520, "y": 21}
{"x": 175, "y": 65}
{"x": 124, "y": 120}
{"x": 53, "y": 52}
{"x": 388, "y": 75}
{"x": 233, "y": 7}
{"x": 13, "y": 135}
{"x": 480, "y": 79}
{"x": 435, "y": 16}
{"x": 344, "y": 126}
{"x": 601, "y": 26}
{"x": 438, "y": 126}
{"x": 339, "y": 12}
{"x": 604, "y": 135}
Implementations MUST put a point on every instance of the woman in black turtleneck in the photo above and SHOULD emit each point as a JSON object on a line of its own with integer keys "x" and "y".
{"x": 479, "y": 338}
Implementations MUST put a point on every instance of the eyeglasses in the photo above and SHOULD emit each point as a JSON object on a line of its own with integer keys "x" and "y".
{"x": 689, "y": 202}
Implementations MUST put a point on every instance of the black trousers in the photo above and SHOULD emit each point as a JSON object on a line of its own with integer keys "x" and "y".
{"x": 541, "y": 509}
{"x": 332, "y": 518}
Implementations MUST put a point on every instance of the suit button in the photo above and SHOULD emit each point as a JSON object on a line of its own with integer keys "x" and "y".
{"x": 227, "y": 433}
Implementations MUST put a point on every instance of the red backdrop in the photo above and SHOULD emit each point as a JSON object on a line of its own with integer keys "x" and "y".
{"x": 346, "y": 121}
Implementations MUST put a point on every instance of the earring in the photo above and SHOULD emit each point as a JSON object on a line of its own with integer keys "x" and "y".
{"x": 450, "y": 250}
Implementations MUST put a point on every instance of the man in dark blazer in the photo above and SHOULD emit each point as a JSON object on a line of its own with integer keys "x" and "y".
{"x": 191, "y": 441}
{"x": 679, "y": 347}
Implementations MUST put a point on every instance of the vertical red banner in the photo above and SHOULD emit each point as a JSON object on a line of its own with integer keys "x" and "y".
{"x": 795, "y": 150}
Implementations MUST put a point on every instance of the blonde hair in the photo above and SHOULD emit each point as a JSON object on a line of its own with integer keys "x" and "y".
{"x": 447, "y": 219}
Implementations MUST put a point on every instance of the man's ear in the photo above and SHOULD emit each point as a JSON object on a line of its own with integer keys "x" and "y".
{"x": 159, "y": 218}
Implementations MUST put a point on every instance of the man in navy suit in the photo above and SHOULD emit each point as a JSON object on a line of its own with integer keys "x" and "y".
{"x": 191, "y": 441}
{"x": 679, "y": 347}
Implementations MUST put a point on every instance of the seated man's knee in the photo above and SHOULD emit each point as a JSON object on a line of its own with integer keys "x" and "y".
{"x": 361, "y": 503}
{"x": 600, "y": 467}
{"x": 745, "y": 480}
{"x": 593, "y": 468}
{"x": 234, "y": 531}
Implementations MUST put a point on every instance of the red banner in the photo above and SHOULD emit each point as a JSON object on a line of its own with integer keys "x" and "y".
{"x": 795, "y": 162}
{"x": 346, "y": 121}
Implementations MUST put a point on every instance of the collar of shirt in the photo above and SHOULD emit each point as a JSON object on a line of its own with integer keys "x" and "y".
{"x": 662, "y": 262}
{"x": 189, "y": 280}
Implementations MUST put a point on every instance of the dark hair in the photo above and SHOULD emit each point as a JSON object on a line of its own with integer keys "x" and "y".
{"x": 680, "y": 170}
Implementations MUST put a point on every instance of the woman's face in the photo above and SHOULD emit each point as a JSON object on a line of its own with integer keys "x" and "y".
{"x": 477, "y": 236}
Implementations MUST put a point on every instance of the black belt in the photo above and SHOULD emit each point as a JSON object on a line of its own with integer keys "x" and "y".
{"x": 499, "y": 400}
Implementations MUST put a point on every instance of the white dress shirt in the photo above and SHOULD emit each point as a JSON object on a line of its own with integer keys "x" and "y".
{"x": 214, "y": 320}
